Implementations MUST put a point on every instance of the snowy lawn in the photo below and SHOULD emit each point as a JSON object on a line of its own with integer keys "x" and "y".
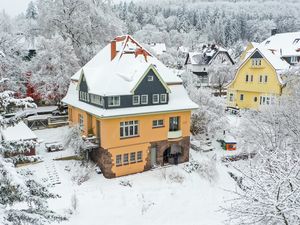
{"x": 162, "y": 196}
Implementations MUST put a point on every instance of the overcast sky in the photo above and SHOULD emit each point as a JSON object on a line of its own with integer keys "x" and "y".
{"x": 14, "y": 7}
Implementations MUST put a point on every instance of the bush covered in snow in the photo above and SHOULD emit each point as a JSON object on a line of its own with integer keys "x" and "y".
{"x": 73, "y": 139}
{"x": 206, "y": 168}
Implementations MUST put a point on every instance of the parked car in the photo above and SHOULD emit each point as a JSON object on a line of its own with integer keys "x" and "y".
{"x": 62, "y": 110}
{"x": 57, "y": 112}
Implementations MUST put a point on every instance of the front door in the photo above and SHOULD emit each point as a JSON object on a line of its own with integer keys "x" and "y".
{"x": 153, "y": 156}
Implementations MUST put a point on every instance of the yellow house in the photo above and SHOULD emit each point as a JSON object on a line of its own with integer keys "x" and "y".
{"x": 250, "y": 46}
{"x": 135, "y": 106}
{"x": 257, "y": 80}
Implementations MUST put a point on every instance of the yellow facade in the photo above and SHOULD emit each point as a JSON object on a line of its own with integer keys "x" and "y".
{"x": 255, "y": 90}
{"x": 115, "y": 145}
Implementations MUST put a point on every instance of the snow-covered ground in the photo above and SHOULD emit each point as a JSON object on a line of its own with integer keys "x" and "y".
{"x": 155, "y": 197}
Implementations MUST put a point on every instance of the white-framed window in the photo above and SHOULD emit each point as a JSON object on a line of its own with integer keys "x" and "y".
{"x": 231, "y": 97}
{"x": 265, "y": 100}
{"x": 125, "y": 158}
{"x": 256, "y": 62}
{"x": 136, "y": 100}
{"x": 129, "y": 128}
{"x": 155, "y": 98}
{"x": 266, "y": 79}
{"x": 163, "y": 98}
{"x": 144, "y": 99}
{"x": 139, "y": 156}
{"x": 97, "y": 100}
{"x": 294, "y": 59}
{"x": 114, "y": 101}
{"x": 150, "y": 78}
{"x": 157, "y": 123}
{"x": 84, "y": 96}
{"x": 242, "y": 97}
{"x": 118, "y": 160}
{"x": 81, "y": 122}
{"x": 132, "y": 157}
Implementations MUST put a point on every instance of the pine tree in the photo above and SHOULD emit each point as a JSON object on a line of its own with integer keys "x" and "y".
{"x": 17, "y": 187}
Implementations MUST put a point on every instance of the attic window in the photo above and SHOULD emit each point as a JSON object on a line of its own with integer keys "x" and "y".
{"x": 267, "y": 42}
{"x": 296, "y": 41}
{"x": 150, "y": 78}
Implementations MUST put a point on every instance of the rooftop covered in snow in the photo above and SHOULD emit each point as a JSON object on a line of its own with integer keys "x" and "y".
{"x": 283, "y": 44}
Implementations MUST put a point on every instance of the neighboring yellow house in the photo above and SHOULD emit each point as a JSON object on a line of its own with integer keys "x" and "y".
{"x": 135, "y": 106}
{"x": 250, "y": 46}
{"x": 257, "y": 80}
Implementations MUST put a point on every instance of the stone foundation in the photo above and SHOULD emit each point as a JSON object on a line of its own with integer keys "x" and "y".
{"x": 161, "y": 146}
{"x": 104, "y": 160}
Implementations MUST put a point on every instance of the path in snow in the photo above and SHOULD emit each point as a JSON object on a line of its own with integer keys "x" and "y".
{"x": 52, "y": 172}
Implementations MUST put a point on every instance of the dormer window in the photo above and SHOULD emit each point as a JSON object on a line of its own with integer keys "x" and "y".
{"x": 294, "y": 59}
{"x": 155, "y": 99}
{"x": 136, "y": 100}
{"x": 114, "y": 101}
{"x": 144, "y": 99}
{"x": 296, "y": 41}
{"x": 256, "y": 62}
{"x": 150, "y": 78}
{"x": 163, "y": 98}
{"x": 267, "y": 42}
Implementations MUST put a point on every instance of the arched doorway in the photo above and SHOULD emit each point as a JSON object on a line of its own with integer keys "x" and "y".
{"x": 172, "y": 154}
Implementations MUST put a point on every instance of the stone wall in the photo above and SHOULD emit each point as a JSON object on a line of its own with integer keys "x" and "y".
{"x": 104, "y": 160}
{"x": 161, "y": 146}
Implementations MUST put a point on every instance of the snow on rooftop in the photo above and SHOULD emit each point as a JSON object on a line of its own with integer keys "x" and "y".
{"x": 178, "y": 100}
{"x": 275, "y": 60}
{"x": 284, "y": 44}
{"x": 158, "y": 48}
{"x": 118, "y": 76}
{"x": 18, "y": 132}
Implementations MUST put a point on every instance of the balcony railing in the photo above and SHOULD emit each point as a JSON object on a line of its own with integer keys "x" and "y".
{"x": 174, "y": 134}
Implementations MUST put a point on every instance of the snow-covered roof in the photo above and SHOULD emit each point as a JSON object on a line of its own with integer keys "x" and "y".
{"x": 275, "y": 60}
{"x": 284, "y": 44}
{"x": 206, "y": 55}
{"x": 229, "y": 139}
{"x": 18, "y": 132}
{"x": 184, "y": 49}
{"x": 27, "y": 43}
{"x": 158, "y": 48}
{"x": 118, "y": 76}
{"x": 178, "y": 100}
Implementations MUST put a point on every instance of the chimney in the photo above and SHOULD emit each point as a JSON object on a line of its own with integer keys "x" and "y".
{"x": 274, "y": 31}
{"x": 113, "y": 49}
